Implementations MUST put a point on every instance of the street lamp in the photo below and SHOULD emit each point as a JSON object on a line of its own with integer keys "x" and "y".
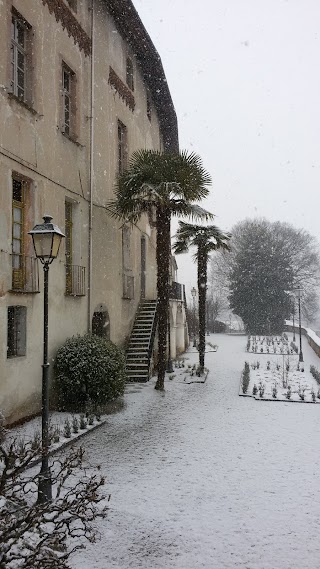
{"x": 293, "y": 313}
{"x": 46, "y": 242}
{"x": 194, "y": 294}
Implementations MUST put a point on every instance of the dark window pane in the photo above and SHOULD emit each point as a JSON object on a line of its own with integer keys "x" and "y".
{"x": 21, "y": 79}
{"x": 21, "y": 34}
{"x": 17, "y": 190}
{"x": 21, "y": 60}
{"x": 66, "y": 81}
{"x": 16, "y": 336}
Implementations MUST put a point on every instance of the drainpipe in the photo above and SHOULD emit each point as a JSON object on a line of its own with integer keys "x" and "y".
{"x": 91, "y": 118}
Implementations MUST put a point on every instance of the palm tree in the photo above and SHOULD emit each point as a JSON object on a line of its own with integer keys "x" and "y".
{"x": 206, "y": 239}
{"x": 167, "y": 184}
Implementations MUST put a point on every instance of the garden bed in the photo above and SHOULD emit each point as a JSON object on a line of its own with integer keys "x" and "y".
{"x": 271, "y": 345}
{"x": 280, "y": 379}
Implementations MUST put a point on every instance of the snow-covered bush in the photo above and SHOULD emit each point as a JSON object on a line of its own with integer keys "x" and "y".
{"x": 261, "y": 389}
{"x": 245, "y": 377}
{"x": 88, "y": 369}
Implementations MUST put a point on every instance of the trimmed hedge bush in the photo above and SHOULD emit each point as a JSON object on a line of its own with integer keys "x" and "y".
{"x": 245, "y": 377}
{"x": 89, "y": 371}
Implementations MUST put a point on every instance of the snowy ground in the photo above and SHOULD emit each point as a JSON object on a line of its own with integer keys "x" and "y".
{"x": 203, "y": 478}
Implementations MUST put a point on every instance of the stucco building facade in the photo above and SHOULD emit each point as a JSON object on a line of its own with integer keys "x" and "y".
{"x": 81, "y": 88}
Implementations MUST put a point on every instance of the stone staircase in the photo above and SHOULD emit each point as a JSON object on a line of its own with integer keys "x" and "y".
{"x": 140, "y": 346}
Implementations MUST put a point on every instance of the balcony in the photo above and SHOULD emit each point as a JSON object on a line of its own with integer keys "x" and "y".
{"x": 75, "y": 280}
{"x": 25, "y": 274}
{"x": 177, "y": 291}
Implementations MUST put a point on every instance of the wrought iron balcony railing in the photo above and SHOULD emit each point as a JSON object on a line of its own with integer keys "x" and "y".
{"x": 25, "y": 273}
{"x": 176, "y": 291}
{"x": 75, "y": 280}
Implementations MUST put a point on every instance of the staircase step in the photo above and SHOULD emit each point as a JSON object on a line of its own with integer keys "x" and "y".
{"x": 137, "y": 356}
{"x": 136, "y": 366}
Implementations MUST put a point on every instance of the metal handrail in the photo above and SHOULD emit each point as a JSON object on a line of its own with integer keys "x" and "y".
{"x": 152, "y": 335}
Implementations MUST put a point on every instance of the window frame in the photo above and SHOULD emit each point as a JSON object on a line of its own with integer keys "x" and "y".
{"x": 18, "y": 266}
{"x": 16, "y": 331}
{"x": 68, "y": 244}
{"x": 122, "y": 135}
{"x": 69, "y": 128}
{"x": 24, "y": 51}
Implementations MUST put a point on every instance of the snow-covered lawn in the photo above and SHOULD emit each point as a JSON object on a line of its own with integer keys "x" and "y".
{"x": 202, "y": 478}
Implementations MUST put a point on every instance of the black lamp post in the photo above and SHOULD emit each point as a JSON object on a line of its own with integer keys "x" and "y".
{"x": 46, "y": 242}
{"x": 194, "y": 294}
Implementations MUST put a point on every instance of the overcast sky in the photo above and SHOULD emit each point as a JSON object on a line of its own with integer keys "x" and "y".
{"x": 244, "y": 76}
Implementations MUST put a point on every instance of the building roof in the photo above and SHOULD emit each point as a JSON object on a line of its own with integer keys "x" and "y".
{"x": 132, "y": 29}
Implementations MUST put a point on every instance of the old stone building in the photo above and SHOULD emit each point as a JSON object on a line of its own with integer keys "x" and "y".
{"x": 81, "y": 87}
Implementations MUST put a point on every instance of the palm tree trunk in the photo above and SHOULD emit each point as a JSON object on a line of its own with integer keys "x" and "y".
{"x": 202, "y": 291}
{"x": 163, "y": 261}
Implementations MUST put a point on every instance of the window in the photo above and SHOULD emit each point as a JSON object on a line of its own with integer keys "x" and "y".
{"x": 68, "y": 246}
{"x": 122, "y": 147}
{"x": 68, "y": 101}
{"x": 17, "y": 320}
{"x": 19, "y": 57}
{"x": 128, "y": 279}
{"x": 25, "y": 274}
{"x": 18, "y": 203}
{"x": 75, "y": 274}
{"x": 129, "y": 74}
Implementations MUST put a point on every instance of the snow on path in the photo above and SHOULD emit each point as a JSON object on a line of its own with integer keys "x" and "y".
{"x": 203, "y": 478}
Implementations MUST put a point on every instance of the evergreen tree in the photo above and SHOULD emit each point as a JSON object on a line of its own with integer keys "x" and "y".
{"x": 263, "y": 271}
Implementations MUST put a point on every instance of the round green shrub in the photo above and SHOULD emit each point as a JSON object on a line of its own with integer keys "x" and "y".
{"x": 88, "y": 370}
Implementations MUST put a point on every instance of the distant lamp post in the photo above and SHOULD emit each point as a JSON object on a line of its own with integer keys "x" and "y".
{"x": 194, "y": 294}
{"x": 299, "y": 308}
{"x": 293, "y": 314}
{"x": 46, "y": 242}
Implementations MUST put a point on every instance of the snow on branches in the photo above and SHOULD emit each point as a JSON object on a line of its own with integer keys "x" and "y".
{"x": 43, "y": 536}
